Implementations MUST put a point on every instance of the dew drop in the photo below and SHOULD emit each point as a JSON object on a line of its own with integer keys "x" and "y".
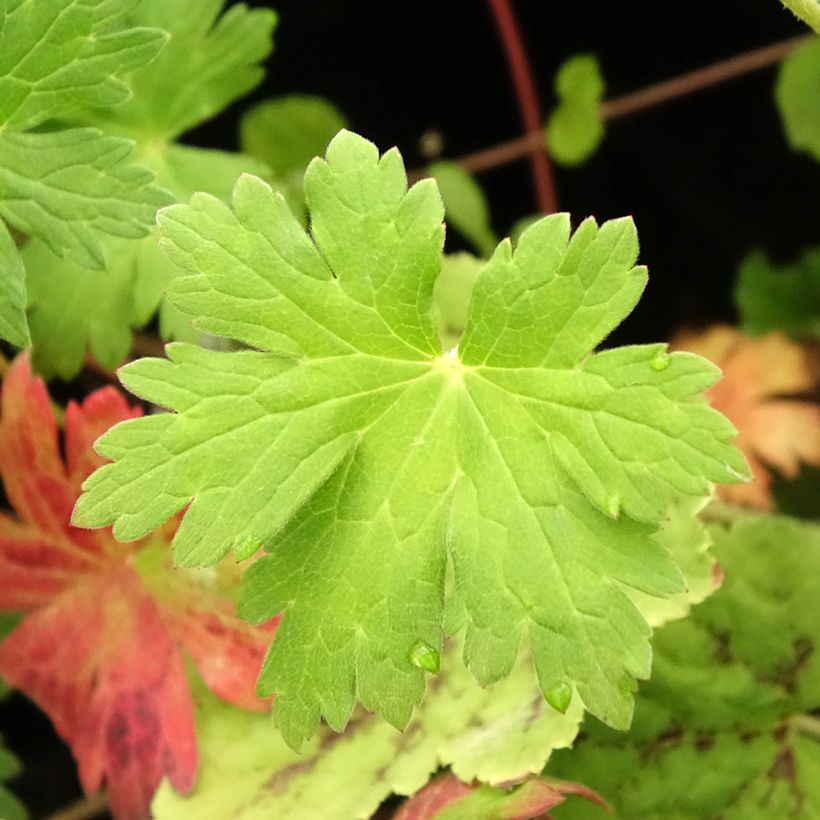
{"x": 559, "y": 697}
{"x": 247, "y": 547}
{"x": 660, "y": 361}
{"x": 425, "y": 657}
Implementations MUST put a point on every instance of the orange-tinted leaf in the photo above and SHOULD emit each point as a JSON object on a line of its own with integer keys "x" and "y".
{"x": 101, "y": 648}
{"x": 761, "y": 378}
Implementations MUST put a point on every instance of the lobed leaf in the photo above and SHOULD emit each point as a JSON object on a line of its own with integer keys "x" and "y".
{"x": 365, "y": 460}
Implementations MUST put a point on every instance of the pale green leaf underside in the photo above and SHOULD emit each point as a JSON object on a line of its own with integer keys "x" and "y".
{"x": 57, "y": 56}
{"x": 494, "y": 735}
{"x": 365, "y": 460}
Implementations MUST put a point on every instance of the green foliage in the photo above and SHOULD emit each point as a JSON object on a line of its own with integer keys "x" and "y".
{"x": 786, "y": 297}
{"x": 575, "y": 129}
{"x": 807, "y": 10}
{"x": 208, "y": 62}
{"x": 10, "y": 807}
{"x": 465, "y": 206}
{"x": 363, "y": 458}
{"x": 494, "y": 734}
{"x": 797, "y": 95}
{"x": 723, "y": 730}
{"x": 63, "y": 186}
{"x": 286, "y": 133}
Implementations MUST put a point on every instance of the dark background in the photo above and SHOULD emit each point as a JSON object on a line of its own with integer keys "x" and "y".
{"x": 707, "y": 178}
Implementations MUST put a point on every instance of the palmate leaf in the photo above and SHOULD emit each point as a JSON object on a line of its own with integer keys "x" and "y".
{"x": 725, "y": 728}
{"x": 208, "y": 62}
{"x": 364, "y": 458}
{"x": 61, "y": 186}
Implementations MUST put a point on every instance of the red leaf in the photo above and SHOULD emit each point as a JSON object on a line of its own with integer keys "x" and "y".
{"x": 101, "y": 647}
{"x": 435, "y": 796}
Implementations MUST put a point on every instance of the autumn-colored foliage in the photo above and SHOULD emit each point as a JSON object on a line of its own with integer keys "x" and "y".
{"x": 764, "y": 391}
{"x": 108, "y": 627}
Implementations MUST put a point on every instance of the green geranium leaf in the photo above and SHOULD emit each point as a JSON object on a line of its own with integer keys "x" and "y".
{"x": 494, "y": 735}
{"x": 65, "y": 186}
{"x": 208, "y": 62}
{"x": 465, "y": 205}
{"x": 286, "y": 133}
{"x": 797, "y": 95}
{"x": 725, "y": 729}
{"x": 575, "y": 129}
{"x": 59, "y": 56}
{"x": 807, "y": 10}
{"x": 771, "y": 297}
{"x": 364, "y": 458}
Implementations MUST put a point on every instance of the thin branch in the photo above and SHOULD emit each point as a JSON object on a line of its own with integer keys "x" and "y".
{"x": 527, "y": 102}
{"x": 649, "y": 97}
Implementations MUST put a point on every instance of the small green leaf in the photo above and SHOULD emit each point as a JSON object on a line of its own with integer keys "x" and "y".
{"x": 465, "y": 206}
{"x": 773, "y": 297}
{"x": 797, "y": 94}
{"x": 286, "y": 133}
{"x": 575, "y": 128}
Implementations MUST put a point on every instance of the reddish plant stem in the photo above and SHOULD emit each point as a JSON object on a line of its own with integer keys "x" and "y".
{"x": 645, "y": 98}
{"x": 528, "y": 103}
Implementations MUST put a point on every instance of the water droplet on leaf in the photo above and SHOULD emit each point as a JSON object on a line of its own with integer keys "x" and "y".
{"x": 425, "y": 657}
{"x": 660, "y": 361}
{"x": 559, "y": 697}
